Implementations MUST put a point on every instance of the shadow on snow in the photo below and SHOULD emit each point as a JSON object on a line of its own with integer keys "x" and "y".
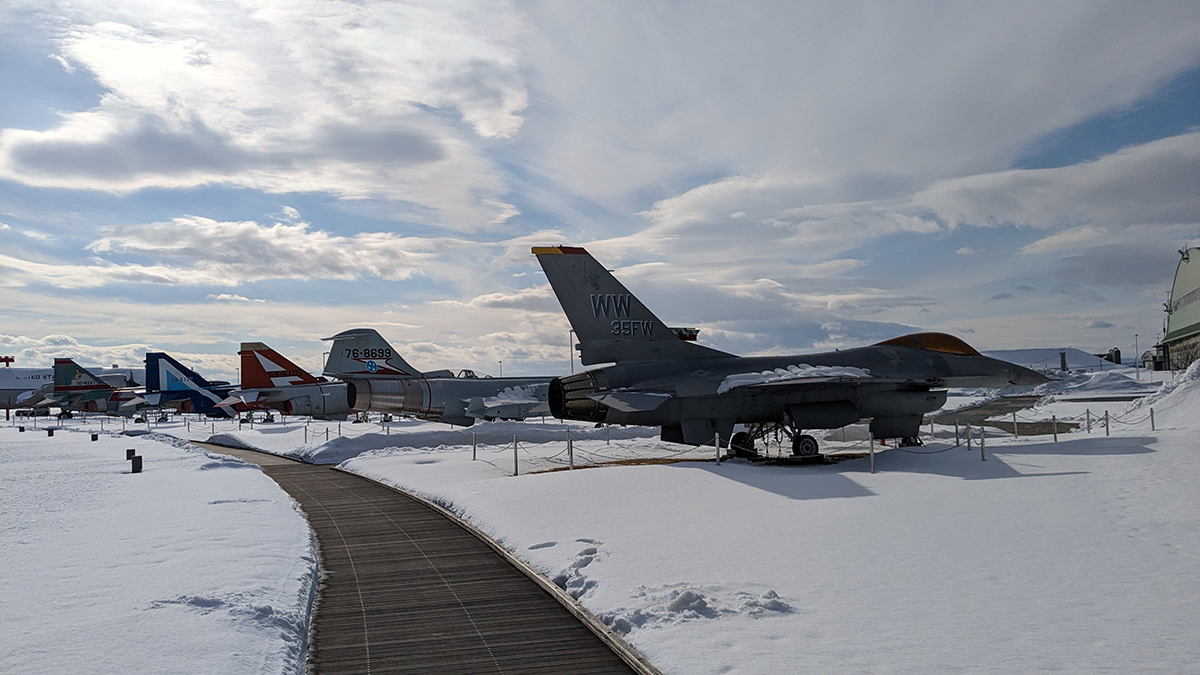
{"x": 837, "y": 481}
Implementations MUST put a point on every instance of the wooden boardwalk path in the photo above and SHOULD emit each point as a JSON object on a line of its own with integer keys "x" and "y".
{"x": 405, "y": 589}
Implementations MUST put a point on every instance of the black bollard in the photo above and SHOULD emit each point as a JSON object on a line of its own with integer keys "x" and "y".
{"x": 21, "y": 429}
{"x": 137, "y": 463}
{"x": 129, "y": 453}
{"x": 95, "y": 437}
{"x": 49, "y": 432}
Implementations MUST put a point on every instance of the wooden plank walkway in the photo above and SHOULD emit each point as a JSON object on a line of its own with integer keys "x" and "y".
{"x": 405, "y": 589}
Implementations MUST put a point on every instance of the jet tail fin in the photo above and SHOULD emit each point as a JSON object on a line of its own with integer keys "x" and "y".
{"x": 264, "y": 368}
{"x": 612, "y": 324}
{"x": 164, "y": 373}
{"x": 72, "y": 377}
{"x": 362, "y": 352}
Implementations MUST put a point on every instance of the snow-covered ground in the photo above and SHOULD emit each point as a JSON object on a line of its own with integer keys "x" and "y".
{"x": 198, "y": 564}
{"x": 1077, "y": 556}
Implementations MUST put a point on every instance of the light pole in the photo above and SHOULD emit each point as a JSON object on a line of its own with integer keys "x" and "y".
{"x": 571, "y": 348}
{"x": 501, "y": 369}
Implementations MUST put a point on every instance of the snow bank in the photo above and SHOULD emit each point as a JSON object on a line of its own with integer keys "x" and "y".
{"x": 346, "y": 441}
{"x": 1098, "y": 382}
{"x": 1176, "y": 403}
{"x": 199, "y": 564}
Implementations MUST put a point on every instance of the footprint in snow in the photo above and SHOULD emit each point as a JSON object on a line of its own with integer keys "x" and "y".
{"x": 544, "y": 544}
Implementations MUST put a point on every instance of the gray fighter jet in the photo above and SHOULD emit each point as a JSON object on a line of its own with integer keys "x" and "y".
{"x": 378, "y": 379}
{"x": 697, "y": 394}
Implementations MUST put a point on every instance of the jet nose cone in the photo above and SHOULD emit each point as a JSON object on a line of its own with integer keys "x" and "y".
{"x": 1025, "y": 377}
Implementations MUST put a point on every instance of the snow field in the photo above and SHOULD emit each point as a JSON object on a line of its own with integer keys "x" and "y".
{"x": 1077, "y": 556}
{"x": 199, "y": 564}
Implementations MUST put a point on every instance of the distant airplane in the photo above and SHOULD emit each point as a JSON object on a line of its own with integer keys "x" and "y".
{"x": 271, "y": 381}
{"x": 19, "y": 385}
{"x": 171, "y": 384}
{"x": 378, "y": 379}
{"x": 77, "y": 388}
{"x": 697, "y": 394}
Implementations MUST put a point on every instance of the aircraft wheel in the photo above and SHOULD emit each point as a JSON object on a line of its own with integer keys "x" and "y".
{"x": 742, "y": 445}
{"x": 804, "y": 446}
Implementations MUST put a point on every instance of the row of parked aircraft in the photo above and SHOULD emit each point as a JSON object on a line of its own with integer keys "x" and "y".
{"x": 659, "y": 377}
{"x": 363, "y": 373}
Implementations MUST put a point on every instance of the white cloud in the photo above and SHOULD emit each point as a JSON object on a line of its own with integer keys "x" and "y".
{"x": 238, "y": 252}
{"x": 965, "y": 250}
{"x": 66, "y": 65}
{"x": 646, "y": 94}
{"x": 340, "y": 97}
{"x": 230, "y": 297}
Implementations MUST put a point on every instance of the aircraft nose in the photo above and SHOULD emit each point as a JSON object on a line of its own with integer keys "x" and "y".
{"x": 1026, "y": 377}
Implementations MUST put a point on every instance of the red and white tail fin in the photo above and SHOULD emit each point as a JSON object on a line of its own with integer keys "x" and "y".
{"x": 264, "y": 368}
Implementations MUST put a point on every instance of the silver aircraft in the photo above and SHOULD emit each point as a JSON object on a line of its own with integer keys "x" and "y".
{"x": 378, "y": 379}
{"x": 698, "y": 394}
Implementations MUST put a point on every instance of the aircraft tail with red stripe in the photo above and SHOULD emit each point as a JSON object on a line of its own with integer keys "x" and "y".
{"x": 265, "y": 368}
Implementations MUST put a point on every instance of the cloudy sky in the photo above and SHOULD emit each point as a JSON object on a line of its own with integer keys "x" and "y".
{"x": 787, "y": 177}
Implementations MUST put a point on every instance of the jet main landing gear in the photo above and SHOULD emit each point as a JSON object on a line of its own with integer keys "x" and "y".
{"x": 742, "y": 445}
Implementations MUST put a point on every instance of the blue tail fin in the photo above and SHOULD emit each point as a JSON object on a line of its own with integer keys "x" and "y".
{"x": 164, "y": 373}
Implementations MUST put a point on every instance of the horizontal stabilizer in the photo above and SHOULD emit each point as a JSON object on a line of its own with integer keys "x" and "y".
{"x": 631, "y": 401}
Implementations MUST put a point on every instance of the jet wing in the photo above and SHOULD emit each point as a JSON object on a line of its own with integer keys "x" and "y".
{"x": 801, "y": 376}
{"x": 807, "y": 383}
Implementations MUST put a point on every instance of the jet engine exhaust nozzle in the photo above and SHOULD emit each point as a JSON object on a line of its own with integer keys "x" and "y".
{"x": 569, "y": 397}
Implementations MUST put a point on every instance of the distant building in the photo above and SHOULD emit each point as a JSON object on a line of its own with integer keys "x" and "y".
{"x": 1181, "y": 343}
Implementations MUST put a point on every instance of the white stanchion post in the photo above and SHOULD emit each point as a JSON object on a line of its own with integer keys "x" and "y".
{"x": 1152, "y": 419}
{"x": 1106, "y": 423}
{"x": 956, "y": 441}
{"x": 1054, "y": 426}
{"x": 1015, "y": 434}
{"x": 968, "y": 436}
{"x": 474, "y": 445}
{"x": 717, "y": 445}
{"x": 606, "y": 436}
{"x": 516, "y": 468}
{"x": 872, "y": 445}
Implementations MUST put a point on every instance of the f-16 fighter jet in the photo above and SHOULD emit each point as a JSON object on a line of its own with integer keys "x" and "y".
{"x": 697, "y": 394}
{"x": 378, "y": 379}
{"x": 271, "y": 381}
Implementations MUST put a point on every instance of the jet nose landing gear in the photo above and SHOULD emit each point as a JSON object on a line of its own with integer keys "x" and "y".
{"x": 804, "y": 445}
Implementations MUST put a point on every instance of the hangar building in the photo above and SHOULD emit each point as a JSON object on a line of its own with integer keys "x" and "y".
{"x": 1181, "y": 343}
